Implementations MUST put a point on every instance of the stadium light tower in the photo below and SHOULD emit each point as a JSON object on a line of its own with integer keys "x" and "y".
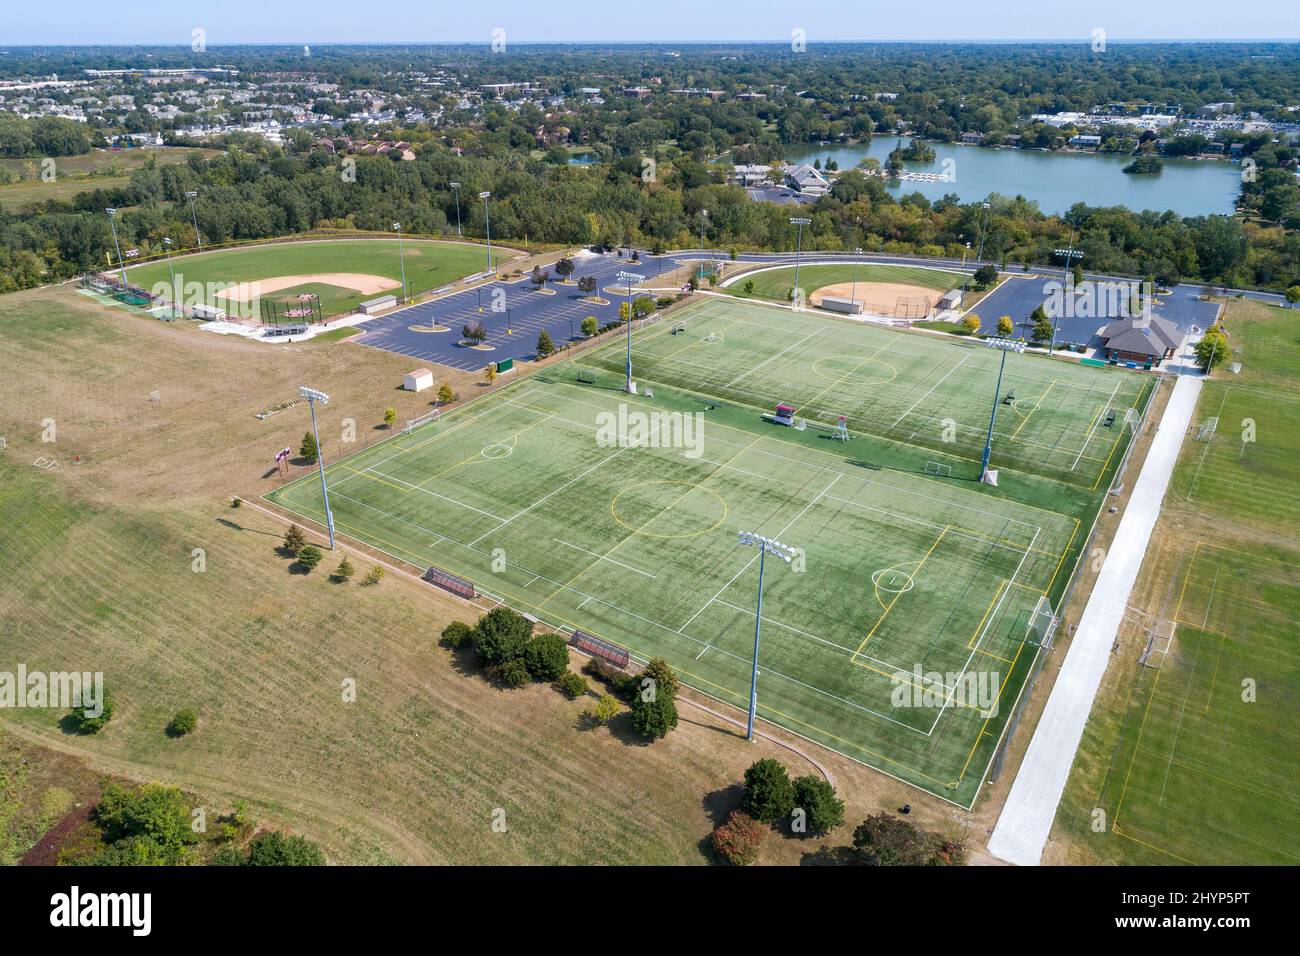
{"x": 191, "y": 195}
{"x": 455, "y": 188}
{"x": 167, "y": 246}
{"x": 853, "y": 296}
{"x": 401, "y": 254}
{"x": 1065, "y": 284}
{"x": 704, "y": 214}
{"x": 800, "y": 222}
{"x": 112, "y": 224}
{"x": 487, "y": 224}
{"x": 1004, "y": 346}
{"x": 313, "y": 396}
{"x": 628, "y": 278}
{"x": 785, "y": 553}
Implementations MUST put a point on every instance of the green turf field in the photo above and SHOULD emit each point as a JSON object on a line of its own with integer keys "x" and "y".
{"x": 627, "y": 528}
{"x": 429, "y": 265}
{"x": 775, "y": 284}
{"x": 930, "y": 392}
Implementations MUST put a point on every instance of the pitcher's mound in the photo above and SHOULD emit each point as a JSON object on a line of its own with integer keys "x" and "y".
{"x": 895, "y": 300}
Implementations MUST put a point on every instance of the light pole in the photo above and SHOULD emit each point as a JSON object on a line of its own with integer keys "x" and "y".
{"x": 401, "y": 254}
{"x": 704, "y": 214}
{"x": 798, "y": 251}
{"x": 487, "y": 225}
{"x": 628, "y": 278}
{"x": 979, "y": 256}
{"x": 455, "y": 188}
{"x": 191, "y": 195}
{"x": 1066, "y": 285}
{"x": 853, "y": 296}
{"x": 786, "y": 554}
{"x": 1004, "y": 346}
{"x": 112, "y": 224}
{"x": 313, "y": 396}
{"x": 167, "y": 245}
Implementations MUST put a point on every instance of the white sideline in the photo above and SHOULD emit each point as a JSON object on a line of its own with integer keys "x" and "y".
{"x": 1026, "y": 819}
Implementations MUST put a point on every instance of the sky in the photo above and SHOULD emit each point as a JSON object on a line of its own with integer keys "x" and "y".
{"x": 558, "y": 21}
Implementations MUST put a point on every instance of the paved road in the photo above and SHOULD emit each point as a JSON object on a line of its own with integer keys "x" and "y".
{"x": 1026, "y": 819}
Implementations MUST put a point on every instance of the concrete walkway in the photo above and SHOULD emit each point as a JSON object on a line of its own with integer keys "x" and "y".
{"x": 1026, "y": 819}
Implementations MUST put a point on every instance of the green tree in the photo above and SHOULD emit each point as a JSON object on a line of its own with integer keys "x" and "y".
{"x": 512, "y": 673}
{"x": 307, "y": 449}
{"x": 884, "y": 840}
{"x": 1213, "y": 348}
{"x": 156, "y": 815}
{"x": 572, "y": 685}
{"x": 456, "y": 635}
{"x": 1041, "y": 330}
{"x": 606, "y": 708}
{"x": 823, "y": 810}
{"x": 590, "y": 326}
{"x": 655, "y": 717}
{"x": 739, "y": 838}
{"x": 985, "y": 276}
{"x": 547, "y": 657}
{"x": 83, "y": 723}
{"x": 294, "y": 539}
{"x": 1078, "y": 275}
{"x": 309, "y": 557}
{"x": 1293, "y": 295}
{"x": 390, "y": 416}
{"x": 345, "y": 570}
{"x": 769, "y": 795}
{"x": 665, "y": 681}
{"x": 184, "y": 722}
{"x": 564, "y": 268}
{"x": 545, "y": 346}
{"x": 502, "y": 635}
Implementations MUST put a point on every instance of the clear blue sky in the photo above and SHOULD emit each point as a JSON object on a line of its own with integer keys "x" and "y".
{"x": 434, "y": 21}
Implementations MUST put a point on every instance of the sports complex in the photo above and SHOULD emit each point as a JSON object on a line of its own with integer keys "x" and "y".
{"x": 905, "y": 630}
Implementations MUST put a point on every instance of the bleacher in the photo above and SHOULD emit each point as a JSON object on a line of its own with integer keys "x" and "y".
{"x": 273, "y": 331}
{"x": 449, "y": 582}
{"x": 599, "y": 647}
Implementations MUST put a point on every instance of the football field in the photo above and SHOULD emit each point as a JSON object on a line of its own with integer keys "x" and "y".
{"x": 900, "y": 634}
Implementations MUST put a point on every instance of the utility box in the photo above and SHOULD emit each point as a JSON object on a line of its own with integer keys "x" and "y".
{"x": 418, "y": 380}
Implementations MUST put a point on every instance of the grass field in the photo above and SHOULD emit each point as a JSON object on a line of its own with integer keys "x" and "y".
{"x": 930, "y": 392}
{"x": 636, "y": 540}
{"x": 429, "y": 265}
{"x": 1194, "y": 758}
{"x": 23, "y": 186}
{"x": 775, "y": 284}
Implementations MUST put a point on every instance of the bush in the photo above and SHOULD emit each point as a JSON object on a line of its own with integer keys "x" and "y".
{"x": 572, "y": 685}
{"x": 816, "y": 797}
{"x": 739, "y": 839}
{"x": 513, "y": 673}
{"x": 309, "y": 557}
{"x": 769, "y": 795}
{"x": 275, "y": 849}
{"x": 372, "y": 576}
{"x": 83, "y": 724}
{"x": 184, "y": 722}
{"x": 294, "y": 539}
{"x": 545, "y": 346}
{"x": 605, "y": 710}
{"x": 456, "y": 635}
{"x": 884, "y": 840}
{"x": 547, "y": 657}
{"x": 345, "y": 570}
{"x": 653, "y": 718}
{"x": 502, "y": 635}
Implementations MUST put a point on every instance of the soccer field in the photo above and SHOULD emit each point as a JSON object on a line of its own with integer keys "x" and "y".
{"x": 899, "y": 636}
{"x": 1054, "y": 418}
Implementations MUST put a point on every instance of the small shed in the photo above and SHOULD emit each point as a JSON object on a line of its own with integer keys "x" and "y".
{"x": 950, "y": 299}
{"x": 418, "y": 380}
{"x": 209, "y": 313}
{"x": 379, "y": 303}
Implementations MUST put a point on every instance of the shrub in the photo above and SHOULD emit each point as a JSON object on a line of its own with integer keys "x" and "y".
{"x": 512, "y": 673}
{"x": 294, "y": 539}
{"x": 390, "y": 416}
{"x": 572, "y": 685}
{"x": 184, "y": 722}
{"x": 309, "y": 557}
{"x": 502, "y": 635}
{"x": 769, "y": 795}
{"x": 372, "y": 576}
{"x": 275, "y": 849}
{"x": 84, "y": 724}
{"x": 236, "y": 502}
{"x": 307, "y": 448}
{"x": 816, "y": 797}
{"x": 606, "y": 709}
{"x": 456, "y": 635}
{"x": 545, "y": 346}
{"x": 547, "y": 657}
{"x": 884, "y": 840}
{"x": 739, "y": 839}
{"x": 653, "y": 718}
{"x": 345, "y": 570}
{"x": 589, "y": 326}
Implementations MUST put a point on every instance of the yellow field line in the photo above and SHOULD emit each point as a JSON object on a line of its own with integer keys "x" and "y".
{"x": 1114, "y": 828}
{"x": 899, "y": 594}
{"x": 478, "y": 456}
{"x": 1064, "y": 553}
{"x": 997, "y": 705}
{"x": 373, "y": 477}
{"x": 1115, "y": 444}
{"x": 812, "y": 402}
{"x": 1038, "y": 403}
{"x": 970, "y": 645}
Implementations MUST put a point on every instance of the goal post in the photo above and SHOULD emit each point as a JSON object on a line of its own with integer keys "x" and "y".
{"x": 1042, "y": 624}
{"x": 415, "y": 423}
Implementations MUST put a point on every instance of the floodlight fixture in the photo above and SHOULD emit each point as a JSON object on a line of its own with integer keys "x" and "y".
{"x": 787, "y": 554}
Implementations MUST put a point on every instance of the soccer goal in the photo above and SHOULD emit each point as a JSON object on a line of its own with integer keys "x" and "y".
{"x": 1042, "y": 625}
{"x": 415, "y": 423}
{"x": 1207, "y": 429}
{"x": 938, "y": 468}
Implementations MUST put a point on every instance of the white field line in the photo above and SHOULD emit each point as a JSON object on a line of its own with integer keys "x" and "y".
{"x": 603, "y": 558}
{"x": 774, "y": 357}
{"x": 933, "y": 525}
{"x": 932, "y": 388}
{"x": 1087, "y": 439}
{"x": 755, "y": 558}
{"x": 987, "y": 624}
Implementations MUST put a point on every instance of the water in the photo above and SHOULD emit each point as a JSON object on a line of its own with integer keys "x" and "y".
{"x": 1055, "y": 180}
{"x": 584, "y": 159}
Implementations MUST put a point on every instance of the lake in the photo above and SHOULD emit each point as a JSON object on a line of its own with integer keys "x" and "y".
{"x": 1055, "y": 180}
